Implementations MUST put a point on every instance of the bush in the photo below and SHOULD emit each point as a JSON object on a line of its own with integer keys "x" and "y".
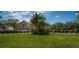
{"x": 40, "y": 32}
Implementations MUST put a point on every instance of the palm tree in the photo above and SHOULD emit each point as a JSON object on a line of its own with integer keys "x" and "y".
{"x": 38, "y": 23}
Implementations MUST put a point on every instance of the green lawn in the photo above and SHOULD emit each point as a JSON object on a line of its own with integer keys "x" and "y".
{"x": 39, "y": 41}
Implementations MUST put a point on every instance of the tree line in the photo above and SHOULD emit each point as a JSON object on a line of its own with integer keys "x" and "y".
{"x": 71, "y": 26}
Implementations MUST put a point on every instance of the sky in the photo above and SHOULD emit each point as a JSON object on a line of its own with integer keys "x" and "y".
{"x": 51, "y": 16}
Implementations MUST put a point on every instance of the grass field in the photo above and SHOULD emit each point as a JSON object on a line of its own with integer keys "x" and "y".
{"x": 39, "y": 41}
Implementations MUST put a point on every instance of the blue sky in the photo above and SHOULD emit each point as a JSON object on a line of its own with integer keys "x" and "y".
{"x": 51, "y": 16}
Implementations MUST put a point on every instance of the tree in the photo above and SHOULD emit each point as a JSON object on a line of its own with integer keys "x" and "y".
{"x": 3, "y": 24}
{"x": 77, "y": 17}
{"x": 0, "y": 17}
{"x": 13, "y": 23}
{"x": 38, "y": 23}
{"x": 70, "y": 25}
{"x": 57, "y": 26}
{"x": 0, "y": 21}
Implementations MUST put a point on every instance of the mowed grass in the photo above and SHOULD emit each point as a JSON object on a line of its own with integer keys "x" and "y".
{"x": 55, "y": 40}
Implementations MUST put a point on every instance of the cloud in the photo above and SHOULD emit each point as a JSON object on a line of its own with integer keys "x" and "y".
{"x": 57, "y": 16}
{"x": 40, "y": 11}
{"x": 76, "y": 14}
{"x": 27, "y": 19}
{"x": 21, "y": 15}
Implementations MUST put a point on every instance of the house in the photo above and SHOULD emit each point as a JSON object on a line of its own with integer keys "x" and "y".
{"x": 10, "y": 28}
{"x": 23, "y": 26}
